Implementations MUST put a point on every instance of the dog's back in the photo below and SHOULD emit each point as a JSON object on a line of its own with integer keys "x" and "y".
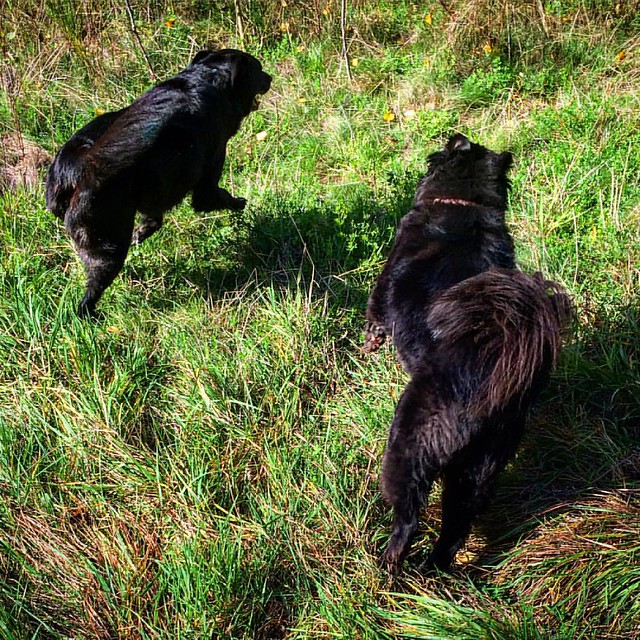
{"x": 109, "y": 145}
{"x": 438, "y": 245}
{"x": 115, "y": 141}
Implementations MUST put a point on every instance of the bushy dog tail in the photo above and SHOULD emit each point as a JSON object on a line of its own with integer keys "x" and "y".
{"x": 500, "y": 333}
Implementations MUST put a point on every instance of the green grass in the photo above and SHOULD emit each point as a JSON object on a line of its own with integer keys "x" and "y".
{"x": 203, "y": 461}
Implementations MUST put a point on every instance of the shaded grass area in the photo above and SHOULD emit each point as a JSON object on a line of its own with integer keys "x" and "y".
{"x": 203, "y": 460}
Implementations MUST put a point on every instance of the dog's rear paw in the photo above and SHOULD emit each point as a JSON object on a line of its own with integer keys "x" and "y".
{"x": 374, "y": 338}
{"x": 87, "y": 310}
{"x": 391, "y": 562}
{"x": 437, "y": 560}
{"x": 139, "y": 235}
{"x": 147, "y": 227}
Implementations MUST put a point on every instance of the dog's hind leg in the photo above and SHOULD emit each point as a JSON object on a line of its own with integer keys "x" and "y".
{"x": 406, "y": 489}
{"x": 418, "y": 447}
{"x": 103, "y": 250}
{"x": 465, "y": 494}
{"x": 101, "y": 268}
{"x": 148, "y": 225}
{"x": 100, "y": 223}
{"x": 467, "y": 488}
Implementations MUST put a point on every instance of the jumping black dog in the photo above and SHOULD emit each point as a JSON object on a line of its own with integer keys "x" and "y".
{"x": 479, "y": 338}
{"x": 147, "y": 157}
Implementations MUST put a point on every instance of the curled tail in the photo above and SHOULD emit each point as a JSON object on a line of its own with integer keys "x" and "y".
{"x": 70, "y": 168}
{"x": 64, "y": 175}
{"x": 501, "y": 331}
{"x": 104, "y": 147}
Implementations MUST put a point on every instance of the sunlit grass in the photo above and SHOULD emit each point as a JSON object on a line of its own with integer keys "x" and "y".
{"x": 203, "y": 460}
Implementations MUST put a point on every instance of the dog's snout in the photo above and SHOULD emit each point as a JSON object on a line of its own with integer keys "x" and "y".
{"x": 266, "y": 82}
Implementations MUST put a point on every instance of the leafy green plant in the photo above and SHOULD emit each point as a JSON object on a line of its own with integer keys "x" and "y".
{"x": 483, "y": 87}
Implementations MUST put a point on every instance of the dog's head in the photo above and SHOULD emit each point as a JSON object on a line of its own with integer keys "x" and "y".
{"x": 466, "y": 171}
{"x": 242, "y": 71}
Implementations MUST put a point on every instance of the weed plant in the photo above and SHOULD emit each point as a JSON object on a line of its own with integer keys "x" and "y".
{"x": 202, "y": 462}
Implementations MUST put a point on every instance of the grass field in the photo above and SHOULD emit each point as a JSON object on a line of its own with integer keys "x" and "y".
{"x": 202, "y": 462}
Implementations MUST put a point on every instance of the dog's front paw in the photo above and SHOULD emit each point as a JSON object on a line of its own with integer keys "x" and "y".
{"x": 374, "y": 337}
{"x": 216, "y": 200}
{"x": 237, "y": 204}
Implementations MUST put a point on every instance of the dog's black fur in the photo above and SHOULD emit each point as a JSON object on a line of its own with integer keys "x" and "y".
{"x": 478, "y": 336}
{"x": 147, "y": 157}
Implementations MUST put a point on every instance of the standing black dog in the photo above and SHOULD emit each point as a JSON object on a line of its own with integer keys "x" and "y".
{"x": 478, "y": 336}
{"x": 147, "y": 157}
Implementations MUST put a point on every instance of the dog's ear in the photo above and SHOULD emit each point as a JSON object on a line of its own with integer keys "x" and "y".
{"x": 506, "y": 161}
{"x": 458, "y": 142}
{"x": 239, "y": 70}
{"x": 201, "y": 55}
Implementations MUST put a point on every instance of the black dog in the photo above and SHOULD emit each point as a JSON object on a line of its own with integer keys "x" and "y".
{"x": 147, "y": 157}
{"x": 478, "y": 336}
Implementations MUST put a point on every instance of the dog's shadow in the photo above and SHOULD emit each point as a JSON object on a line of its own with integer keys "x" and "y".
{"x": 583, "y": 437}
{"x": 282, "y": 241}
